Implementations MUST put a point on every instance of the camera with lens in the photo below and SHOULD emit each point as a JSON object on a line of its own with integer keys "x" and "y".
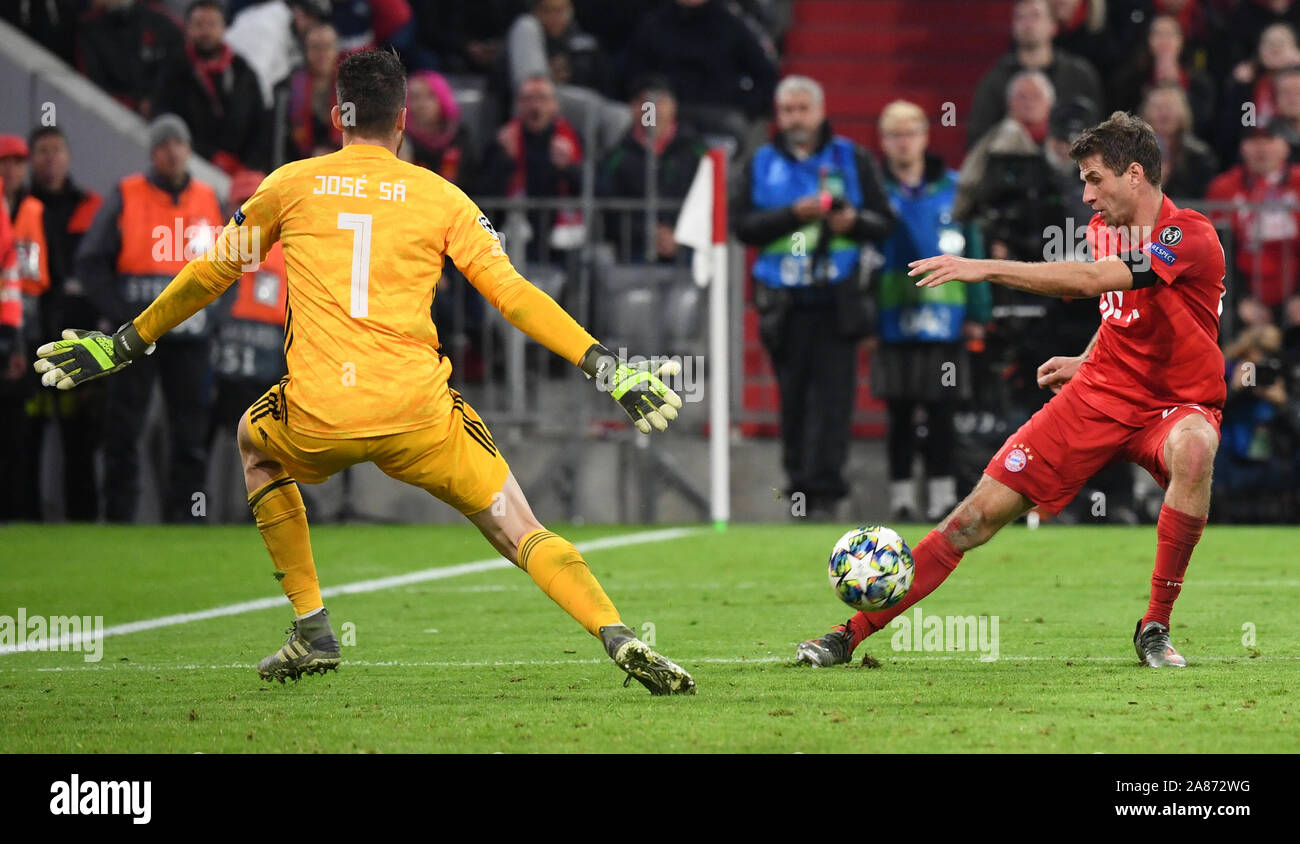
{"x": 1268, "y": 372}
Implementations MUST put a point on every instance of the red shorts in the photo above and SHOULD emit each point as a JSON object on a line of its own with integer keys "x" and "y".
{"x": 1068, "y": 441}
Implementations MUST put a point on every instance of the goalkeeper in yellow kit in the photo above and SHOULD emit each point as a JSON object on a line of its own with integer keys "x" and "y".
{"x": 364, "y": 236}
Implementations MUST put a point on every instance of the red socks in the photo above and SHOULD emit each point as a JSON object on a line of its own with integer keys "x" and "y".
{"x": 1176, "y": 536}
{"x": 935, "y": 557}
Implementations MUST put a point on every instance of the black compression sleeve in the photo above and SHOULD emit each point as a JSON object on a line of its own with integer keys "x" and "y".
{"x": 1139, "y": 264}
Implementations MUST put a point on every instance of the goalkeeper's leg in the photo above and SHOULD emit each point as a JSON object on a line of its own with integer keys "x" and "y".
{"x": 559, "y": 570}
{"x": 281, "y": 517}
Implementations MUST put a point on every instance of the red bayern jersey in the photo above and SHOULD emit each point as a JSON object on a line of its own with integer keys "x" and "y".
{"x": 1158, "y": 347}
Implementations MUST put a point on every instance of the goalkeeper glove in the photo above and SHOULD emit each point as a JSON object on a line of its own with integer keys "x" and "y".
{"x": 85, "y": 355}
{"x": 636, "y": 387}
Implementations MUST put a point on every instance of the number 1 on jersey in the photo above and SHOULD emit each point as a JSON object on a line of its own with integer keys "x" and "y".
{"x": 359, "y": 225}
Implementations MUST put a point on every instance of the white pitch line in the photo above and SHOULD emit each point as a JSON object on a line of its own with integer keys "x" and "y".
{"x": 74, "y": 641}
{"x": 535, "y": 663}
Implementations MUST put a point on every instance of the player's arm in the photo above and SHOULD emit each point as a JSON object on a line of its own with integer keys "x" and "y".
{"x": 85, "y": 355}
{"x": 1066, "y": 279}
{"x": 476, "y": 249}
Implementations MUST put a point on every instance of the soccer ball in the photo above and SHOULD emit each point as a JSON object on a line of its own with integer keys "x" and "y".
{"x": 871, "y": 568}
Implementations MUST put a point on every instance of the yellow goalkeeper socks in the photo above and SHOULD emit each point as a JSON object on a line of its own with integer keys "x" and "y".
{"x": 559, "y": 570}
{"x": 282, "y": 519}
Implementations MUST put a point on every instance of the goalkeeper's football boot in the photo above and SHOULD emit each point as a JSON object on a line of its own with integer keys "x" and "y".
{"x": 831, "y": 649}
{"x": 1154, "y": 648}
{"x": 660, "y": 675}
{"x": 310, "y": 649}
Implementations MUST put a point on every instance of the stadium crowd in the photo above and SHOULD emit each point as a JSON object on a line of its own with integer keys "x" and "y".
{"x": 511, "y": 98}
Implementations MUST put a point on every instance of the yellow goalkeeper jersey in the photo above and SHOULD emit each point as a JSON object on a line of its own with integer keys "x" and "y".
{"x": 364, "y": 236}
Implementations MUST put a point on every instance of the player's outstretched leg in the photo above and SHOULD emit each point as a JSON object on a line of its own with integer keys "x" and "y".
{"x": 282, "y": 519}
{"x": 560, "y": 571}
{"x": 989, "y": 508}
{"x": 1189, "y": 455}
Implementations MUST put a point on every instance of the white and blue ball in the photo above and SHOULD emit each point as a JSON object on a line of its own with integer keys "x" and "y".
{"x": 871, "y": 568}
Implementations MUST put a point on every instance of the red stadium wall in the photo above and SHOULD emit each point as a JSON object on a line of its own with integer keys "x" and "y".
{"x": 869, "y": 52}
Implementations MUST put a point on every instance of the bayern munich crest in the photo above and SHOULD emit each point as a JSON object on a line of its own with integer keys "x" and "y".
{"x": 1017, "y": 458}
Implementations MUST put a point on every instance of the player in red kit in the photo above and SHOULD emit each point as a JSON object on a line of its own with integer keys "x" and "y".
{"x": 1149, "y": 388}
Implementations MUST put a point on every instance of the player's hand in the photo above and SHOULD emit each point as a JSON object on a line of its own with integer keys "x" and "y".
{"x": 944, "y": 268}
{"x": 82, "y": 356}
{"x": 637, "y": 387}
{"x": 1057, "y": 371}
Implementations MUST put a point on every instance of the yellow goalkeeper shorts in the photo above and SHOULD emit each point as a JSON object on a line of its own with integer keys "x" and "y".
{"x": 455, "y": 460}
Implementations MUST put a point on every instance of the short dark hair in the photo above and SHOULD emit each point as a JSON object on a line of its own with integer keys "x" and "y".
{"x": 652, "y": 83}
{"x": 42, "y": 132}
{"x": 1121, "y": 139}
{"x": 373, "y": 83}
{"x": 215, "y": 5}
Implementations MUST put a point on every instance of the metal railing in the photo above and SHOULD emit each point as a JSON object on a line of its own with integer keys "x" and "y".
{"x": 595, "y": 265}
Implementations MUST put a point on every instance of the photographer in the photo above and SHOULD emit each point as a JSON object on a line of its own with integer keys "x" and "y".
{"x": 1006, "y": 183}
{"x": 810, "y": 201}
{"x": 1261, "y": 428}
{"x": 1009, "y": 188}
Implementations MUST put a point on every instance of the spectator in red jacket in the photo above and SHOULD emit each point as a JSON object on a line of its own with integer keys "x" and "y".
{"x": 123, "y": 46}
{"x": 537, "y": 154}
{"x": 217, "y": 94}
{"x": 1266, "y": 239}
{"x": 312, "y": 95}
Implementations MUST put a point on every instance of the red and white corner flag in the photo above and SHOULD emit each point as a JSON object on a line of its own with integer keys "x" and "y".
{"x": 702, "y": 225}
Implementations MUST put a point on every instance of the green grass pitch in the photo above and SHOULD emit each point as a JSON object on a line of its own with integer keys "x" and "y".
{"x": 483, "y": 662}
